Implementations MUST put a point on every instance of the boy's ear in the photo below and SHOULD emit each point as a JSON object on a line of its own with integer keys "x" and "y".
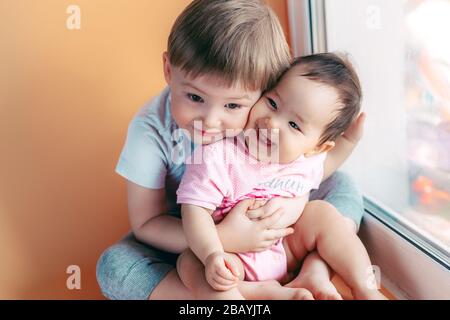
{"x": 167, "y": 67}
{"x": 324, "y": 147}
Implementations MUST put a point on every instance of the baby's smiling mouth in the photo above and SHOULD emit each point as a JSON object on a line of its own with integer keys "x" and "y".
{"x": 266, "y": 136}
{"x": 263, "y": 138}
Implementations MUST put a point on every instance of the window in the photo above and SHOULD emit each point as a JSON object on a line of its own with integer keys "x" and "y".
{"x": 402, "y": 53}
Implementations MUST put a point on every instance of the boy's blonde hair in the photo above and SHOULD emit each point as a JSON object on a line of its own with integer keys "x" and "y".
{"x": 239, "y": 41}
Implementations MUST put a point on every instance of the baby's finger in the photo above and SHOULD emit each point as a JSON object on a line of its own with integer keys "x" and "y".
{"x": 223, "y": 272}
{"x": 233, "y": 267}
{"x": 220, "y": 287}
{"x": 223, "y": 282}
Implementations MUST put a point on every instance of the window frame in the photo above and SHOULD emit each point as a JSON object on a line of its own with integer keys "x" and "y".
{"x": 402, "y": 266}
{"x": 409, "y": 253}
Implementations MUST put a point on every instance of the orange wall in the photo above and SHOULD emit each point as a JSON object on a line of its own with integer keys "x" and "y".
{"x": 66, "y": 98}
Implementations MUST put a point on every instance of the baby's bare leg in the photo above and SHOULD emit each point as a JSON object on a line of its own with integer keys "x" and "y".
{"x": 321, "y": 227}
{"x": 192, "y": 273}
{"x": 268, "y": 290}
{"x": 315, "y": 275}
{"x": 272, "y": 290}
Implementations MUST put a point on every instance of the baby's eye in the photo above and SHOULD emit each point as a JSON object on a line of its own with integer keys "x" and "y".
{"x": 272, "y": 103}
{"x": 294, "y": 125}
{"x": 233, "y": 106}
{"x": 194, "y": 97}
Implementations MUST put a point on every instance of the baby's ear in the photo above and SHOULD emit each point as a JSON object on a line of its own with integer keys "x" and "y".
{"x": 324, "y": 147}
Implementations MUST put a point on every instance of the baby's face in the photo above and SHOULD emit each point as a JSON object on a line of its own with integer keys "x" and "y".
{"x": 295, "y": 114}
{"x": 206, "y": 108}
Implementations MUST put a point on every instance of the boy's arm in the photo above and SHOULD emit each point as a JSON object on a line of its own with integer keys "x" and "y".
{"x": 152, "y": 225}
{"x": 345, "y": 145}
{"x": 149, "y": 221}
{"x": 336, "y": 157}
{"x": 200, "y": 231}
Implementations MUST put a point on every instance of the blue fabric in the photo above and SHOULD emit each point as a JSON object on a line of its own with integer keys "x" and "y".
{"x": 130, "y": 270}
{"x": 340, "y": 190}
{"x": 155, "y": 149}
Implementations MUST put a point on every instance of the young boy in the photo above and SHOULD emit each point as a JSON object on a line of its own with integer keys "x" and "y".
{"x": 221, "y": 55}
{"x": 282, "y": 153}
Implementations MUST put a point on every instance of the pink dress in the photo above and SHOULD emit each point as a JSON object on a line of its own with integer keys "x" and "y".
{"x": 220, "y": 175}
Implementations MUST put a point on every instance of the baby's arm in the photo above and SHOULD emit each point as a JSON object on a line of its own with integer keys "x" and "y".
{"x": 344, "y": 146}
{"x": 151, "y": 224}
{"x": 221, "y": 270}
{"x": 200, "y": 231}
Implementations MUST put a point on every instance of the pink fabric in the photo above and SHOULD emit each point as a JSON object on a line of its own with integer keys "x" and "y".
{"x": 222, "y": 174}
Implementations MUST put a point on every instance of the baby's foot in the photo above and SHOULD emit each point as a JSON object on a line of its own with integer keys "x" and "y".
{"x": 321, "y": 288}
{"x": 368, "y": 295}
{"x": 273, "y": 290}
{"x": 287, "y": 293}
{"x": 299, "y": 294}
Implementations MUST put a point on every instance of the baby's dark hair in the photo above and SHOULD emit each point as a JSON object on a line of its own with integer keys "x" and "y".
{"x": 336, "y": 71}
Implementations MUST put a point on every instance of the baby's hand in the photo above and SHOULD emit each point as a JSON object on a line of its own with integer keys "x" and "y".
{"x": 263, "y": 208}
{"x": 221, "y": 271}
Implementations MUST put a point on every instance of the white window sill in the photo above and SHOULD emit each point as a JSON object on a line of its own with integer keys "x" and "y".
{"x": 409, "y": 269}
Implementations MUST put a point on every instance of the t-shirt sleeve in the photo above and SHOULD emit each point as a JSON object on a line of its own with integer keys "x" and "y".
{"x": 143, "y": 160}
{"x": 204, "y": 182}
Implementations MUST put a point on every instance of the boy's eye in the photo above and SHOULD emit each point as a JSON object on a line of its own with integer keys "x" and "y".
{"x": 272, "y": 103}
{"x": 233, "y": 106}
{"x": 294, "y": 125}
{"x": 194, "y": 97}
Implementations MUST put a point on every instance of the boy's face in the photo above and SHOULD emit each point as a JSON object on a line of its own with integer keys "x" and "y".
{"x": 206, "y": 108}
{"x": 295, "y": 114}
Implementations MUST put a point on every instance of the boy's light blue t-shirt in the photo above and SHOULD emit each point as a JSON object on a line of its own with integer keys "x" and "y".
{"x": 155, "y": 149}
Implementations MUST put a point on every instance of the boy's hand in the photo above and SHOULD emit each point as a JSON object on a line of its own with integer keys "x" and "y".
{"x": 221, "y": 271}
{"x": 291, "y": 209}
{"x": 258, "y": 203}
{"x": 344, "y": 147}
{"x": 264, "y": 208}
{"x": 355, "y": 132}
{"x": 240, "y": 234}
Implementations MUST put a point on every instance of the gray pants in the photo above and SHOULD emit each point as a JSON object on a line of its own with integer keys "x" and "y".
{"x": 131, "y": 270}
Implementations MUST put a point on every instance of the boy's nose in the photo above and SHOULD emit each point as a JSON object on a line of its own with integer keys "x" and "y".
{"x": 211, "y": 120}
